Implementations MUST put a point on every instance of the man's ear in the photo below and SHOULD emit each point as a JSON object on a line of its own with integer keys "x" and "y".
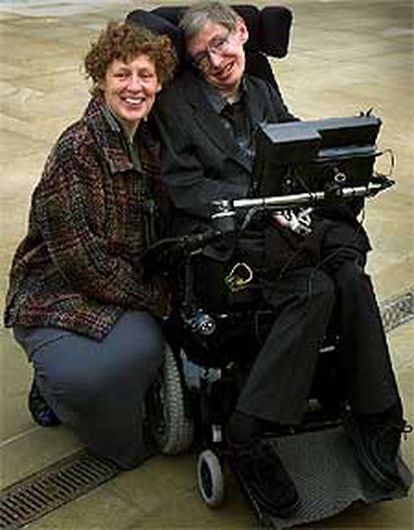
{"x": 242, "y": 30}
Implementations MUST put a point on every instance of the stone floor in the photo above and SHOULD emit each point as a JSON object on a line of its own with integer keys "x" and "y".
{"x": 346, "y": 56}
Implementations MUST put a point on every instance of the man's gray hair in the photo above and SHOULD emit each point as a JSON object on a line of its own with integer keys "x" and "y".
{"x": 197, "y": 16}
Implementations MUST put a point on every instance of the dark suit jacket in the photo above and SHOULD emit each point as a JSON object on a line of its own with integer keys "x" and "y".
{"x": 201, "y": 160}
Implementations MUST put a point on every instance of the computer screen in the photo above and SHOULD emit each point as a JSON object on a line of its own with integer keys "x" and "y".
{"x": 302, "y": 156}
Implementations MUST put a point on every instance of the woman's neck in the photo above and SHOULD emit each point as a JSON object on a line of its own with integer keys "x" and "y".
{"x": 129, "y": 130}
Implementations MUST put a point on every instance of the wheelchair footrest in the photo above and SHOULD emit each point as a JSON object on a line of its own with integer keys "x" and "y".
{"x": 327, "y": 476}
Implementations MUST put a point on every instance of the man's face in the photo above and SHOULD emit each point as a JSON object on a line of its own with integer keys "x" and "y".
{"x": 130, "y": 88}
{"x": 219, "y": 55}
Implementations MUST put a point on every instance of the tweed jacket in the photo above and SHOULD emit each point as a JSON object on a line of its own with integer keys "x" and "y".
{"x": 79, "y": 266}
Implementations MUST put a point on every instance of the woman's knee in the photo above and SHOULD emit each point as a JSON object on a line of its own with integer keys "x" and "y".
{"x": 81, "y": 372}
{"x": 139, "y": 338}
{"x": 71, "y": 384}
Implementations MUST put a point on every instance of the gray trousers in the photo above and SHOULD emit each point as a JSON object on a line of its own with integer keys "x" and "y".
{"x": 97, "y": 388}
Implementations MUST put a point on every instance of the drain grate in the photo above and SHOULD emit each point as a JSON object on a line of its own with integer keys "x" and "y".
{"x": 43, "y": 492}
{"x": 397, "y": 310}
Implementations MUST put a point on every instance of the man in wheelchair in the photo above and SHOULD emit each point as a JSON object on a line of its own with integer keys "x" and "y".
{"x": 209, "y": 155}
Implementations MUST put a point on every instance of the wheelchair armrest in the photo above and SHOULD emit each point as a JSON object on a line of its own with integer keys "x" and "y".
{"x": 169, "y": 253}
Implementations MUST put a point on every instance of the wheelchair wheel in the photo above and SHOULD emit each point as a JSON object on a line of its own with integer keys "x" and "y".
{"x": 210, "y": 478}
{"x": 170, "y": 427}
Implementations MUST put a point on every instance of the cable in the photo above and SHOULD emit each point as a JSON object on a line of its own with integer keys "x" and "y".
{"x": 335, "y": 253}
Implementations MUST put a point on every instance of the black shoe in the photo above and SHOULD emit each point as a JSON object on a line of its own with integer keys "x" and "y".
{"x": 262, "y": 471}
{"x": 377, "y": 444}
{"x": 42, "y": 414}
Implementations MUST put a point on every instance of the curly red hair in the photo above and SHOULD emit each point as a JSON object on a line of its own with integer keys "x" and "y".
{"x": 125, "y": 41}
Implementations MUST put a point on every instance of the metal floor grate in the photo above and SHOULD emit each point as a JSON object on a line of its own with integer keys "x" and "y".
{"x": 397, "y": 310}
{"x": 43, "y": 492}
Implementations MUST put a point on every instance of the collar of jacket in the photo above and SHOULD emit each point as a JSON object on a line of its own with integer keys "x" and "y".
{"x": 217, "y": 101}
{"x": 209, "y": 121}
{"x": 197, "y": 96}
{"x": 109, "y": 135}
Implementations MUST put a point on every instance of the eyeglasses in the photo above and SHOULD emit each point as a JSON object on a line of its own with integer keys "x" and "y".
{"x": 218, "y": 46}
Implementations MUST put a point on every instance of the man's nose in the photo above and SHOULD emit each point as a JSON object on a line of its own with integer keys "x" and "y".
{"x": 214, "y": 58}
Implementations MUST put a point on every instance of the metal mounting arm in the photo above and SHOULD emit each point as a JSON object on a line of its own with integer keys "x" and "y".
{"x": 224, "y": 210}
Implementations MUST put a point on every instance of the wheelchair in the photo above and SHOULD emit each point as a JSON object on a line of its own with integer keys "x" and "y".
{"x": 220, "y": 319}
{"x": 218, "y": 325}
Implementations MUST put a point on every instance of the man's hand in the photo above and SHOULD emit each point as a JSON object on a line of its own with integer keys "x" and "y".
{"x": 299, "y": 223}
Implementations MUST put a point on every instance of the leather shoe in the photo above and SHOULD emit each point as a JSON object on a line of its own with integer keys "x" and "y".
{"x": 376, "y": 444}
{"x": 261, "y": 470}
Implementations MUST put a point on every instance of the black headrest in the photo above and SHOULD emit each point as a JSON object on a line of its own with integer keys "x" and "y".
{"x": 251, "y": 17}
{"x": 160, "y": 26}
{"x": 172, "y": 13}
{"x": 275, "y": 23}
{"x": 269, "y": 28}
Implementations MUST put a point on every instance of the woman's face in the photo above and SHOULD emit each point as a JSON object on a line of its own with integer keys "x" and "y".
{"x": 130, "y": 88}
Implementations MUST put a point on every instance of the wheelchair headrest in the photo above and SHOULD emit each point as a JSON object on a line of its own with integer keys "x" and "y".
{"x": 268, "y": 28}
{"x": 160, "y": 25}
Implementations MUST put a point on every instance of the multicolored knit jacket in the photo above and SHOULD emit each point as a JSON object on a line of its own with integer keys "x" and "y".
{"x": 92, "y": 217}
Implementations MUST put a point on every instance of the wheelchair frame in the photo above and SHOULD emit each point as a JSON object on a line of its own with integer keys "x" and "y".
{"x": 172, "y": 403}
{"x": 175, "y": 403}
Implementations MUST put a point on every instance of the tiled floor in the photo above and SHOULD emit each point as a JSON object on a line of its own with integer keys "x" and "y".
{"x": 345, "y": 56}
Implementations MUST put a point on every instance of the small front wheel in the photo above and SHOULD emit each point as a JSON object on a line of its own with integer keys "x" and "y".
{"x": 210, "y": 478}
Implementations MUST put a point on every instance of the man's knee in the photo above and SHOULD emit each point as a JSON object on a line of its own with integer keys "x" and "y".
{"x": 302, "y": 287}
{"x": 339, "y": 259}
{"x": 321, "y": 288}
{"x": 352, "y": 275}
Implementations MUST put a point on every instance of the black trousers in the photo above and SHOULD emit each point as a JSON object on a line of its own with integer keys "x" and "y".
{"x": 304, "y": 300}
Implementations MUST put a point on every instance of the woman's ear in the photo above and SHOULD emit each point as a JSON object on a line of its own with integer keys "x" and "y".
{"x": 159, "y": 88}
{"x": 100, "y": 85}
